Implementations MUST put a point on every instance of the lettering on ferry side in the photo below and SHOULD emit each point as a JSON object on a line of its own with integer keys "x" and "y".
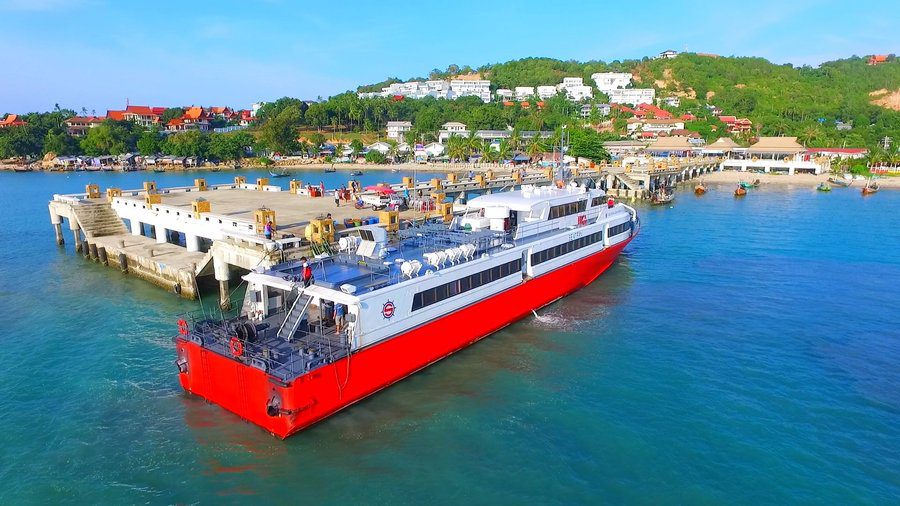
{"x": 387, "y": 310}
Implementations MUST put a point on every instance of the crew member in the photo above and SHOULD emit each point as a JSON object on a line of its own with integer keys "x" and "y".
{"x": 340, "y": 315}
{"x": 306, "y": 273}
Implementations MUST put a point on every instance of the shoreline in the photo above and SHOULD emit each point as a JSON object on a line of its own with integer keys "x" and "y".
{"x": 339, "y": 167}
{"x": 735, "y": 177}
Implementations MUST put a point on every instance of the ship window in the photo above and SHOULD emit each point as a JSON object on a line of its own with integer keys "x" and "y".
{"x": 542, "y": 256}
{"x": 456, "y": 287}
{"x": 596, "y": 201}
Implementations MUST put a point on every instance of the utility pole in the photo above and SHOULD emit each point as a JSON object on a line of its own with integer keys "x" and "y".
{"x": 886, "y": 142}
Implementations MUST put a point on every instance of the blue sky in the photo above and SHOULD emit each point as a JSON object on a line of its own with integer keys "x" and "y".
{"x": 96, "y": 53}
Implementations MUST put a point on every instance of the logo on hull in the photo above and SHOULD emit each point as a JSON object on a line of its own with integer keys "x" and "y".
{"x": 387, "y": 310}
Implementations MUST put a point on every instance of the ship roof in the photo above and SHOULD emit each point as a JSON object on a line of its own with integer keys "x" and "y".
{"x": 528, "y": 197}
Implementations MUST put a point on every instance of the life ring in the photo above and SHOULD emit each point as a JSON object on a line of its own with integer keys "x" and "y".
{"x": 183, "y": 327}
{"x": 237, "y": 347}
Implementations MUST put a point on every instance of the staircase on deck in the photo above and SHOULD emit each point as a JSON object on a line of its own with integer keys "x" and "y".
{"x": 97, "y": 219}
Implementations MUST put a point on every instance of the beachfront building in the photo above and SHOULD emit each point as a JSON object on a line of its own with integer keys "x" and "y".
{"x": 652, "y": 126}
{"x": 78, "y": 126}
{"x": 781, "y": 155}
{"x": 524, "y": 92}
{"x": 677, "y": 146}
{"x": 724, "y": 147}
{"x": 632, "y": 96}
{"x": 397, "y": 129}
{"x": 194, "y": 118}
{"x": 380, "y": 146}
{"x": 545, "y": 92}
{"x": 450, "y": 129}
{"x": 838, "y": 153}
{"x": 142, "y": 115}
{"x": 619, "y": 149}
{"x": 608, "y": 81}
{"x": 480, "y": 88}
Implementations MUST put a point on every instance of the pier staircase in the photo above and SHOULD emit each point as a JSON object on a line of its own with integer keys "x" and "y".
{"x": 629, "y": 182}
{"x": 98, "y": 219}
{"x": 294, "y": 316}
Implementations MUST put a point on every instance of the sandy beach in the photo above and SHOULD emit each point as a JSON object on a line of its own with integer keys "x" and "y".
{"x": 810, "y": 180}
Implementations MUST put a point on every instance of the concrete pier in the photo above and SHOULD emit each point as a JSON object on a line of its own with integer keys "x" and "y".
{"x": 221, "y": 224}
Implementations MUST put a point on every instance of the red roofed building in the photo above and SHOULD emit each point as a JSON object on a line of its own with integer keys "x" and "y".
{"x": 142, "y": 115}
{"x": 12, "y": 120}
{"x": 115, "y": 115}
{"x": 688, "y": 117}
{"x": 736, "y": 125}
{"x": 221, "y": 112}
{"x": 194, "y": 118}
{"x": 246, "y": 116}
{"x": 875, "y": 59}
{"x": 650, "y": 109}
{"x": 77, "y": 126}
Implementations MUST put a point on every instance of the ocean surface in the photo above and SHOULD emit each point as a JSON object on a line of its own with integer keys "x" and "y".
{"x": 741, "y": 351}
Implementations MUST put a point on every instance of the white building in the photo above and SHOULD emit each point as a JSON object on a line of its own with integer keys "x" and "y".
{"x": 632, "y": 96}
{"x": 575, "y": 89}
{"x": 782, "y": 155}
{"x": 255, "y": 108}
{"x": 545, "y": 92}
{"x": 450, "y": 129}
{"x": 437, "y": 89}
{"x": 474, "y": 88}
{"x": 668, "y": 54}
{"x": 505, "y": 94}
{"x": 524, "y": 92}
{"x": 381, "y": 147}
{"x": 672, "y": 101}
{"x": 396, "y": 129}
{"x": 608, "y": 81}
{"x": 655, "y": 126}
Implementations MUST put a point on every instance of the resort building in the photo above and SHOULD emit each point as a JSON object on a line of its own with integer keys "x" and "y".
{"x": 608, "y": 81}
{"x": 194, "y": 118}
{"x": 575, "y": 89}
{"x": 672, "y": 101}
{"x": 450, "y": 129}
{"x": 619, "y": 149}
{"x": 12, "y": 120}
{"x": 142, "y": 115}
{"x": 632, "y": 96}
{"x": 397, "y": 129}
{"x": 839, "y": 153}
{"x": 78, "y": 126}
{"x": 653, "y": 126}
{"x": 671, "y": 146}
{"x": 736, "y": 125}
{"x": 668, "y": 54}
{"x": 524, "y": 92}
{"x": 380, "y": 146}
{"x": 602, "y": 109}
{"x": 505, "y": 94}
{"x": 723, "y": 146}
{"x": 782, "y": 155}
{"x": 471, "y": 88}
{"x": 545, "y": 92}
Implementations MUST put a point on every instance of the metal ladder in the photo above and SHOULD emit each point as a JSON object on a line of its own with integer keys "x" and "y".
{"x": 295, "y": 314}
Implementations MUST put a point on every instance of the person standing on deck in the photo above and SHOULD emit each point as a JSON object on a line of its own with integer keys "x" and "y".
{"x": 340, "y": 314}
{"x": 306, "y": 273}
{"x": 268, "y": 230}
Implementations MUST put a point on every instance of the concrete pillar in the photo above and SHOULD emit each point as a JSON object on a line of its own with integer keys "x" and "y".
{"x": 135, "y": 226}
{"x": 57, "y": 227}
{"x": 76, "y": 234}
{"x": 160, "y": 235}
{"x": 192, "y": 242}
{"x": 222, "y": 274}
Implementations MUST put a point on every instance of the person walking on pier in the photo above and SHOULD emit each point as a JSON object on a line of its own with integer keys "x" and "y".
{"x": 337, "y": 198}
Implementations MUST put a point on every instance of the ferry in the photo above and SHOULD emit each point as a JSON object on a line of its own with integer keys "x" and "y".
{"x": 411, "y": 297}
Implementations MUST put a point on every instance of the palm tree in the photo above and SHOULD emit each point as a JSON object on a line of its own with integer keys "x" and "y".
{"x": 338, "y": 150}
{"x": 488, "y": 154}
{"x": 504, "y": 150}
{"x": 473, "y": 143}
{"x": 515, "y": 139}
{"x": 457, "y": 148}
{"x": 535, "y": 147}
{"x": 393, "y": 150}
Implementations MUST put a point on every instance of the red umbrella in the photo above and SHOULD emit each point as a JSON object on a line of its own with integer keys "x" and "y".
{"x": 380, "y": 189}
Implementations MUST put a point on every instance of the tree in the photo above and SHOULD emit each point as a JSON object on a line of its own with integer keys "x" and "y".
{"x": 20, "y": 141}
{"x": 170, "y": 114}
{"x": 107, "y": 138}
{"x": 317, "y": 139}
{"x": 586, "y": 143}
{"x": 189, "y": 143}
{"x": 504, "y": 150}
{"x": 375, "y": 156}
{"x": 357, "y": 146}
{"x": 229, "y": 146}
{"x": 60, "y": 143}
{"x": 149, "y": 143}
{"x": 535, "y": 147}
{"x": 279, "y": 134}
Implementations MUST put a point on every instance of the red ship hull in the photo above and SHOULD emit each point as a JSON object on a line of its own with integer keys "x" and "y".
{"x": 312, "y": 397}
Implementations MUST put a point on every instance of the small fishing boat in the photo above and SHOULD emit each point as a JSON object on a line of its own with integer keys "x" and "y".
{"x": 755, "y": 183}
{"x": 330, "y": 169}
{"x": 749, "y": 186}
{"x": 823, "y": 187}
{"x": 700, "y": 189}
{"x": 840, "y": 181}
{"x": 661, "y": 197}
{"x": 740, "y": 191}
{"x": 283, "y": 173}
{"x": 356, "y": 173}
{"x": 870, "y": 188}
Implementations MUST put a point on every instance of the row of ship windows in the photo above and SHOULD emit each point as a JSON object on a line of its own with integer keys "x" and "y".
{"x": 462, "y": 285}
{"x": 567, "y": 209}
{"x": 442, "y": 292}
{"x": 568, "y": 247}
{"x": 618, "y": 229}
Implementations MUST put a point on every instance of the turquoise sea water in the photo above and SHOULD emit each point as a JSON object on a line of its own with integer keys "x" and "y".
{"x": 741, "y": 351}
